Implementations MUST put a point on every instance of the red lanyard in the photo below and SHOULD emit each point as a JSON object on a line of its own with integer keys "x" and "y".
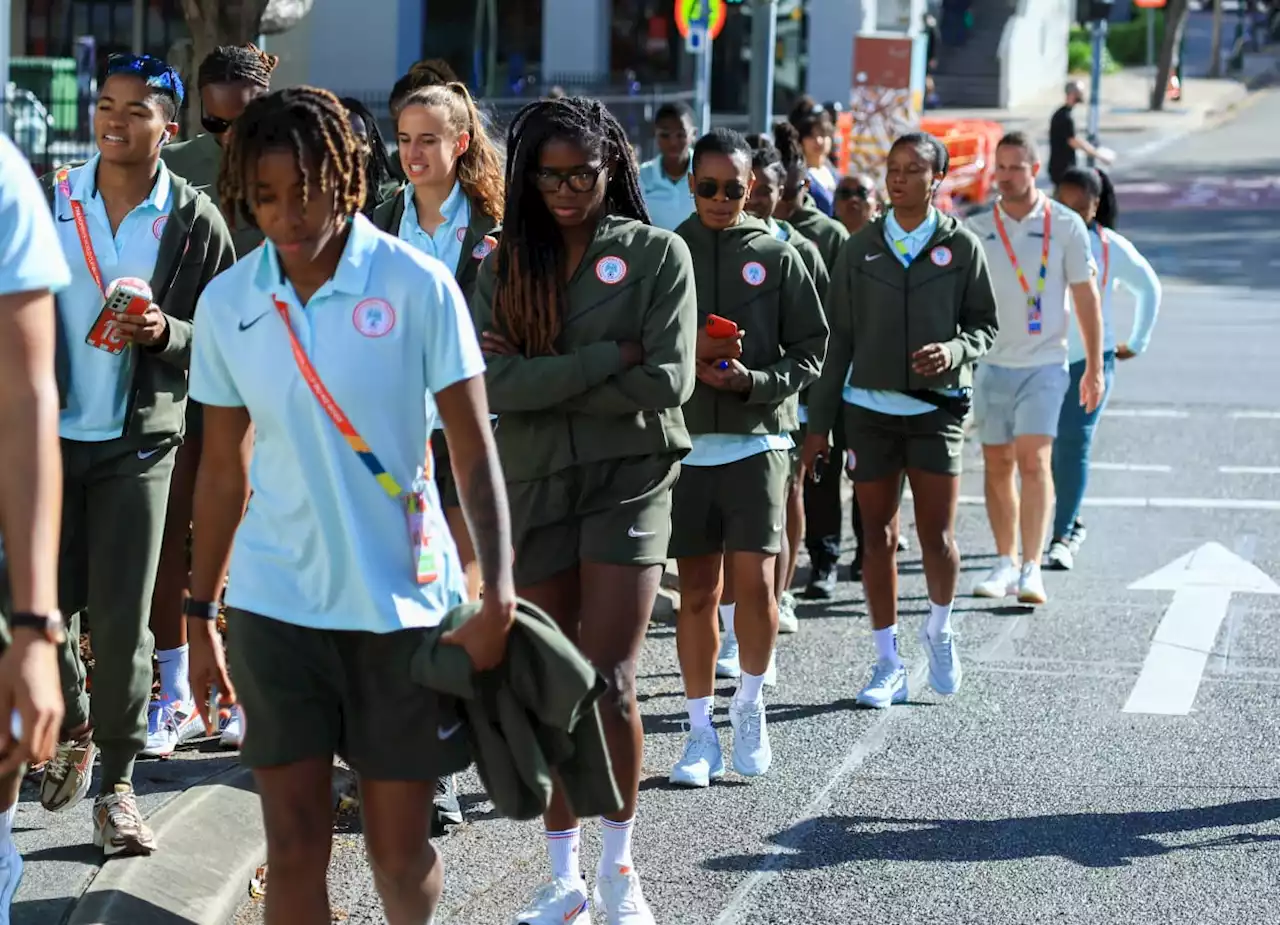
{"x": 82, "y": 228}
{"x": 1033, "y": 301}
{"x": 1106, "y": 258}
{"x": 336, "y": 414}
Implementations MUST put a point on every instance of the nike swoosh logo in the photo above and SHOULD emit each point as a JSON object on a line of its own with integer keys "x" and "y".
{"x": 871, "y": 257}
{"x": 61, "y": 219}
{"x": 637, "y": 534}
{"x": 246, "y": 325}
{"x": 444, "y": 734}
{"x": 147, "y": 454}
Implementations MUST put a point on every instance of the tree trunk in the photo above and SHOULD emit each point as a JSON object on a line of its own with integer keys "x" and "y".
{"x": 1175, "y": 21}
{"x": 1215, "y": 43}
{"x": 213, "y": 23}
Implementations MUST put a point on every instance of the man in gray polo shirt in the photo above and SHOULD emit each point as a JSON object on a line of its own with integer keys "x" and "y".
{"x": 1038, "y": 251}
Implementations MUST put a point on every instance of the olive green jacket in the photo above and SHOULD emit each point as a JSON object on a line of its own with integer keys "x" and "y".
{"x": 198, "y": 161}
{"x": 195, "y": 246}
{"x": 748, "y": 276}
{"x": 821, "y": 229}
{"x": 580, "y": 405}
{"x": 534, "y": 714}
{"x": 882, "y": 312}
{"x": 389, "y": 213}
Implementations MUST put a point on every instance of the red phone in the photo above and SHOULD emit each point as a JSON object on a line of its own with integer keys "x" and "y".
{"x": 721, "y": 328}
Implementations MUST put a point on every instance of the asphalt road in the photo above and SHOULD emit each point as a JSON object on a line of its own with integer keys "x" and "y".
{"x": 1032, "y": 795}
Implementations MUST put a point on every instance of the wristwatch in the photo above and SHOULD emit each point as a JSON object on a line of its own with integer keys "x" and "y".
{"x": 204, "y": 610}
{"x": 51, "y": 625}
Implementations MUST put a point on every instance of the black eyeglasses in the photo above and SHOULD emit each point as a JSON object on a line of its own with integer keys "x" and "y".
{"x": 153, "y": 71}
{"x": 854, "y": 192}
{"x": 734, "y": 190}
{"x": 215, "y": 126}
{"x": 582, "y": 180}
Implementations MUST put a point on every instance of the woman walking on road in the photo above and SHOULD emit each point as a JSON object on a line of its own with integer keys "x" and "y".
{"x": 588, "y": 319}
{"x": 449, "y": 209}
{"x": 1091, "y": 195}
{"x": 905, "y": 413}
{"x": 327, "y": 355}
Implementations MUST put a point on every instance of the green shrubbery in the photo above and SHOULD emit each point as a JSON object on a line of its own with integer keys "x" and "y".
{"x": 1126, "y": 44}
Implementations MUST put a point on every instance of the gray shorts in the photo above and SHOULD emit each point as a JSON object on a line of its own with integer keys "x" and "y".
{"x": 1013, "y": 402}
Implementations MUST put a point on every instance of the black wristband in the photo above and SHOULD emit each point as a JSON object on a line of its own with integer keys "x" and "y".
{"x": 204, "y": 610}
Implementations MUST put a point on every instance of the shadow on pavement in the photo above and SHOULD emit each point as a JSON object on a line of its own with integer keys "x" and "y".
{"x": 109, "y": 906}
{"x": 1095, "y": 840}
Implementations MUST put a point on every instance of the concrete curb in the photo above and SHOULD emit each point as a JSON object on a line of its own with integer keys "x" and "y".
{"x": 211, "y": 842}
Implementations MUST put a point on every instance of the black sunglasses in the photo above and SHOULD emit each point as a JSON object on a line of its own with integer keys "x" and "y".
{"x": 579, "y": 181}
{"x": 853, "y": 192}
{"x": 215, "y": 126}
{"x": 734, "y": 190}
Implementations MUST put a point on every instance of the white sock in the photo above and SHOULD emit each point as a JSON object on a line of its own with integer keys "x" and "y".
{"x": 939, "y": 618}
{"x": 887, "y": 644}
{"x": 175, "y": 680}
{"x": 750, "y": 688}
{"x": 6, "y": 827}
{"x": 562, "y": 847}
{"x": 726, "y": 616}
{"x": 615, "y": 850}
{"x": 700, "y": 710}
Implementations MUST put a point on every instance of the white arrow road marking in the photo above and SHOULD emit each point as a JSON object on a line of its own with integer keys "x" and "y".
{"x": 1202, "y": 583}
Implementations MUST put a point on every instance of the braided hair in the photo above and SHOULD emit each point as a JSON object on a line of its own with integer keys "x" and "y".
{"x": 378, "y": 171}
{"x": 311, "y": 124}
{"x": 229, "y": 64}
{"x": 530, "y": 297}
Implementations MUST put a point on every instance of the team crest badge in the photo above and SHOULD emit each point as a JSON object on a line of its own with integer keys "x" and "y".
{"x": 611, "y": 270}
{"x": 462, "y": 235}
{"x": 754, "y": 273}
{"x": 374, "y": 318}
{"x": 941, "y": 256}
{"x": 157, "y": 227}
{"x": 485, "y": 247}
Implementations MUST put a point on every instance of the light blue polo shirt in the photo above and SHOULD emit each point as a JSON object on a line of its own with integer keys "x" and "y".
{"x": 30, "y": 255}
{"x": 446, "y": 243}
{"x": 322, "y": 545}
{"x": 669, "y": 202}
{"x": 98, "y": 391}
{"x": 906, "y": 246}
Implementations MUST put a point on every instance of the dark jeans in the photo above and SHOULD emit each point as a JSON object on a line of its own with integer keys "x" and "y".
{"x": 1072, "y": 445}
{"x": 823, "y": 512}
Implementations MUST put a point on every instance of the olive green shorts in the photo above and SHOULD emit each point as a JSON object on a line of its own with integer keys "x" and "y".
{"x": 616, "y": 512}
{"x": 311, "y": 693}
{"x": 737, "y": 507}
{"x": 885, "y": 445}
{"x": 446, "y": 484}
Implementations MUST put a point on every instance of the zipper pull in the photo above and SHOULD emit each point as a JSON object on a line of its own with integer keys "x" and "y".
{"x": 419, "y": 485}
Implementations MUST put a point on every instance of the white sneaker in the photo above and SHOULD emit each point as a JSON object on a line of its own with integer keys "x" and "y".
{"x": 702, "y": 761}
{"x": 1060, "y": 556}
{"x": 10, "y": 878}
{"x": 788, "y": 622}
{"x": 172, "y": 723}
{"x": 1031, "y": 585}
{"x": 1002, "y": 580}
{"x": 752, "y": 754}
{"x": 619, "y": 897}
{"x": 231, "y": 727}
{"x": 727, "y": 665}
{"x": 888, "y": 685}
{"x": 561, "y": 901}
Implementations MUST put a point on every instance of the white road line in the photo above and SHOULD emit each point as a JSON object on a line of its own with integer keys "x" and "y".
{"x": 1146, "y": 413}
{"x": 1253, "y": 415}
{"x": 1129, "y": 467}
{"x": 1175, "y": 663}
{"x": 871, "y": 742}
{"x": 1249, "y": 470}
{"x": 1225, "y": 263}
{"x": 1205, "y": 504}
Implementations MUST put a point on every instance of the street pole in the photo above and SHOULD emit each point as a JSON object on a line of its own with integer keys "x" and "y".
{"x": 764, "y": 41}
{"x": 5, "y": 18}
{"x": 1095, "y": 82}
{"x": 1151, "y": 37}
{"x": 702, "y": 89}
